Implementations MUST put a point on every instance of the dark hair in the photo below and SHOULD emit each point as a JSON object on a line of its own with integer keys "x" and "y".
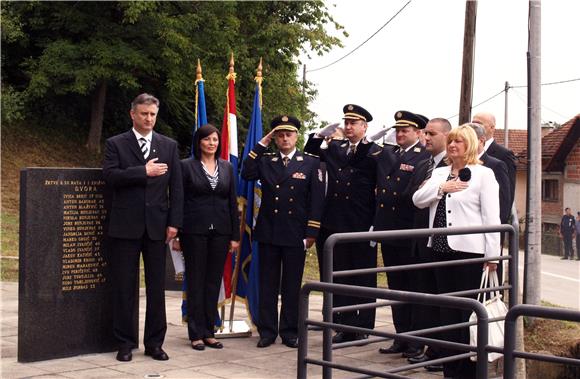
{"x": 144, "y": 98}
{"x": 200, "y": 134}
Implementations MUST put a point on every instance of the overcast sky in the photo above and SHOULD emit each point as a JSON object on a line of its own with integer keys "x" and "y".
{"x": 414, "y": 63}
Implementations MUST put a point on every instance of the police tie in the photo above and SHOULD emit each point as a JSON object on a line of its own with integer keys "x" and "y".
{"x": 351, "y": 150}
{"x": 401, "y": 151}
{"x": 143, "y": 146}
{"x": 430, "y": 168}
{"x": 285, "y": 160}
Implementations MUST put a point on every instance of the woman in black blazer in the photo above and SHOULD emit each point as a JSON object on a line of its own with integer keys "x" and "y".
{"x": 210, "y": 227}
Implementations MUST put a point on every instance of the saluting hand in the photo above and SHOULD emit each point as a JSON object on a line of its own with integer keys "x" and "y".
{"x": 267, "y": 138}
{"x": 155, "y": 169}
{"x": 328, "y": 130}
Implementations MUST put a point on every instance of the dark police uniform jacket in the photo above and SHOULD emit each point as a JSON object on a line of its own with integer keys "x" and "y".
{"x": 395, "y": 207}
{"x": 350, "y": 198}
{"x": 292, "y": 197}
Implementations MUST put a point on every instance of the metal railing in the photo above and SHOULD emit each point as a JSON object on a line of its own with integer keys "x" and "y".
{"x": 398, "y": 296}
{"x": 378, "y": 293}
{"x": 510, "y": 354}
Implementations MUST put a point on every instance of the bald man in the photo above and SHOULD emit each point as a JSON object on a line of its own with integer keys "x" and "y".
{"x": 493, "y": 149}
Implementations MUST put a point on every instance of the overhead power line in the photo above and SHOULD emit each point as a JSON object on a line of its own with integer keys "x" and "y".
{"x": 365, "y": 41}
{"x": 503, "y": 90}
{"x": 550, "y": 83}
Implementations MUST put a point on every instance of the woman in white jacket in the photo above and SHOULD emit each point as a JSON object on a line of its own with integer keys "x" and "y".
{"x": 464, "y": 193}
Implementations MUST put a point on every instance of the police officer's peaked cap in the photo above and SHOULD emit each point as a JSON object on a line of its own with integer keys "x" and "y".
{"x": 284, "y": 122}
{"x": 406, "y": 118}
{"x": 356, "y": 112}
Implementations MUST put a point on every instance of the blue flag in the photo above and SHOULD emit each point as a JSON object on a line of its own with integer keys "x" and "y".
{"x": 200, "y": 120}
{"x": 250, "y": 195}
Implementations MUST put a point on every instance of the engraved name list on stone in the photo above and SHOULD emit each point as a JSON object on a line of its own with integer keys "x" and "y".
{"x": 83, "y": 215}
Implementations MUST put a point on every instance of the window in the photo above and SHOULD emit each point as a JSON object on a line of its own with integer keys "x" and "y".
{"x": 550, "y": 190}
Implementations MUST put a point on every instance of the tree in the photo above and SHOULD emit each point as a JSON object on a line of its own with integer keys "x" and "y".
{"x": 78, "y": 58}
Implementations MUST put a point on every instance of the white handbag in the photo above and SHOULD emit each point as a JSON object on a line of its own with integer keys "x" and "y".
{"x": 495, "y": 308}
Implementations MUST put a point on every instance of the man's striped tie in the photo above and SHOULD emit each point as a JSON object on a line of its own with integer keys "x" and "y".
{"x": 143, "y": 146}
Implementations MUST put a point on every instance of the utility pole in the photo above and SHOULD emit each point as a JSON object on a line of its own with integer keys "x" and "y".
{"x": 466, "y": 95}
{"x": 505, "y": 116}
{"x": 532, "y": 283}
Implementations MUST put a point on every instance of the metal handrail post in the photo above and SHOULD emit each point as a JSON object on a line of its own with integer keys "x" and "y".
{"x": 510, "y": 353}
{"x": 514, "y": 251}
{"x": 327, "y": 304}
{"x": 302, "y": 333}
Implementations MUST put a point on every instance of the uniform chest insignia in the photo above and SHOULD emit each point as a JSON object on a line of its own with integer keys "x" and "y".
{"x": 299, "y": 159}
{"x": 275, "y": 159}
{"x": 320, "y": 175}
{"x": 343, "y": 145}
{"x": 417, "y": 150}
{"x": 406, "y": 167}
{"x": 298, "y": 175}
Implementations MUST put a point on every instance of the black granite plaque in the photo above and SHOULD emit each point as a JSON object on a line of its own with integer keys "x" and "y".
{"x": 64, "y": 294}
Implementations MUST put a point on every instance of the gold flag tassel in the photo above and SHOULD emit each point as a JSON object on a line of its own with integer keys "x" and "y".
{"x": 198, "y": 78}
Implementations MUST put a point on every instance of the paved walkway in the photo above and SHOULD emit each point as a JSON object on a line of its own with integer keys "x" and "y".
{"x": 239, "y": 359}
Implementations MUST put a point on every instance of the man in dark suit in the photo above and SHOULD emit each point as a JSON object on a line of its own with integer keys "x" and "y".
{"x": 395, "y": 211}
{"x": 349, "y": 207}
{"x": 143, "y": 170}
{"x": 500, "y": 171}
{"x": 287, "y": 224}
{"x": 424, "y": 280}
{"x": 492, "y": 148}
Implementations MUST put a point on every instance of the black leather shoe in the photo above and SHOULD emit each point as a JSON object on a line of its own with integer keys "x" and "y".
{"x": 265, "y": 342}
{"x": 343, "y": 337}
{"x": 393, "y": 349}
{"x": 290, "y": 342}
{"x": 434, "y": 368}
{"x": 157, "y": 353}
{"x": 564, "y": 258}
{"x": 198, "y": 346}
{"x": 213, "y": 345}
{"x": 412, "y": 352}
{"x": 124, "y": 355}
{"x": 418, "y": 359}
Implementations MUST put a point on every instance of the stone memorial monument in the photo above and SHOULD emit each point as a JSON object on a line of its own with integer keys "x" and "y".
{"x": 64, "y": 300}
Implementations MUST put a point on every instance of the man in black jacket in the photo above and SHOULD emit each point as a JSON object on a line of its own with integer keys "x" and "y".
{"x": 500, "y": 171}
{"x": 143, "y": 169}
{"x": 492, "y": 148}
{"x": 394, "y": 211}
{"x": 349, "y": 207}
{"x": 288, "y": 223}
{"x": 424, "y": 280}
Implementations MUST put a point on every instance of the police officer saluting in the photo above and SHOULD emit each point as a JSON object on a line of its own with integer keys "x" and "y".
{"x": 287, "y": 224}
{"x": 349, "y": 207}
{"x": 395, "y": 211}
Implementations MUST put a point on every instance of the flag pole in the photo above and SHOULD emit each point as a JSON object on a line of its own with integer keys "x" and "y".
{"x": 237, "y": 251}
{"x": 236, "y": 273}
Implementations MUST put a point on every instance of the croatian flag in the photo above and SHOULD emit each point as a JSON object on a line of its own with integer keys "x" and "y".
{"x": 229, "y": 152}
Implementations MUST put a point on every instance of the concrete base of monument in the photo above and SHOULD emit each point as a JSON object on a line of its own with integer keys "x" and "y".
{"x": 234, "y": 329}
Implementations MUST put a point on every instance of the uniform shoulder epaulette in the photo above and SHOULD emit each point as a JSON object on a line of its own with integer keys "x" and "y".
{"x": 312, "y": 155}
{"x": 377, "y": 152}
{"x": 338, "y": 139}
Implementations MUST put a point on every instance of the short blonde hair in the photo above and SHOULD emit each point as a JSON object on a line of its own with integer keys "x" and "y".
{"x": 467, "y": 134}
